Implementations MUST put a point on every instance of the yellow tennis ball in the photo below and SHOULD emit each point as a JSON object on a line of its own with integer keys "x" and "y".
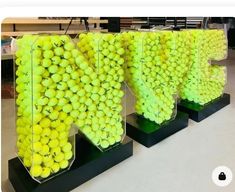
{"x": 53, "y": 143}
{"x": 64, "y": 164}
{"x": 68, "y": 155}
{"x": 37, "y": 146}
{"x": 104, "y": 144}
{"x": 36, "y": 159}
{"x": 45, "y": 172}
{"x": 63, "y": 142}
{"x": 55, "y": 167}
{"x": 45, "y": 150}
{"x": 67, "y": 147}
{"x": 44, "y": 140}
{"x": 36, "y": 170}
{"x": 60, "y": 157}
{"x": 37, "y": 129}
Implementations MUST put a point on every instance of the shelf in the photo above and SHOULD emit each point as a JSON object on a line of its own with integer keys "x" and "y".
{"x": 35, "y": 20}
{"x": 59, "y": 32}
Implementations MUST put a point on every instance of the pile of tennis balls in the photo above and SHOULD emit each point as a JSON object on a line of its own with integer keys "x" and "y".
{"x": 101, "y": 120}
{"x": 44, "y": 81}
{"x": 58, "y": 85}
{"x": 205, "y": 82}
{"x": 156, "y": 65}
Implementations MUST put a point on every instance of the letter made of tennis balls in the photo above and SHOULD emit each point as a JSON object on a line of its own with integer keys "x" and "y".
{"x": 205, "y": 82}
{"x": 45, "y": 90}
{"x": 101, "y": 61}
{"x": 156, "y": 64}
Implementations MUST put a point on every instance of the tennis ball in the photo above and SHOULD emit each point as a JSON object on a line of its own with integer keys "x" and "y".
{"x": 45, "y": 172}
{"x": 68, "y": 120}
{"x": 62, "y": 102}
{"x": 44, "y": 150}
{"x": 61, "y": 128}
{"x": 75, "y": 88}
{"x": 69, "y": 69}
{"x": 36, "y": 159}
{"x": 42, "y": 101}
{"x": 59, "y": 157}
{"x": 44, "y": 140}
{"x": 68, "y": 94}
{"x": 88, "y": 88}
{"x": 111, "y": 140}
{"x": 55, "y": 151}
{"x": 39, "y": 70}
{"x": 46, "y": 62}
{"x": 52, "y": 102}
{"x": 68, "y": 155}
{"x": 118, "y": 138}
{"x": 55, "y": 60}
{"x": 37, "y": 146}
{"x": 55, "y": 123}
{"x": 47, "y": 45}
{"x": 80, "y": 122}
{"x": 53, "y": 143}
{"x": 47, "y": 82}
{"x": 59, "y": 94}
{"x": 27, "y": 162}
{"x": 63, "y": 134}
{"x": 62, "y": 142}
{"x": 36, "y": 170}
{"x": 64, "y": 164}
{"x": 56, "y": 78}
{"x": 74, "y": 98}
{"x": 67, "y": 147}
{"x": 47, "y": 110}
{"x": 49, "y": 163}
{"x": 59, "y": 51}
{"x": 71, "y": 83}
{"x": 64, "y": 39}
{"x": 54, "y": 115}
{"x": 67, "y": 108}
{"x": 85, "y": 79}
{"x": 75, "y": 53}
{"x": 67, "y": 55}
{"x": 66, "y": 77}
{"x": 48, "y": 54}
{"x": 104, "y": 144}
{"x": 55, "y": 167}
{"x": 37, "y": 129}
{"x": 64, "y": 63}
{"x": 62, "y": 115}
{"x": 45, "y": 123}
{"x": 53, "y": 68}
{"x": 54, "y": 134}
{"x": 69, "y": 46}
{"x": 62, "y": 86}
{"x": 75, "y": 75}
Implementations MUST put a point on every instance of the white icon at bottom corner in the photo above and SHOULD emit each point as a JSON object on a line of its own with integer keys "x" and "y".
{"x": 222, "y": 176}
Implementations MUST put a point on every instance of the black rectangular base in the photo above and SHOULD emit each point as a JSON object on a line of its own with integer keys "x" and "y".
{"x": 199, "y": 112}
{"x": 149, "y": 133}
{"x": 89, "y": 163}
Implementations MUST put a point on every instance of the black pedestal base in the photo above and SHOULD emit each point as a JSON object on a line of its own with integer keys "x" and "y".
{"x": 149, "y": 133}
{"x": 89, "y": 163}
{"x": 198, "y": 112}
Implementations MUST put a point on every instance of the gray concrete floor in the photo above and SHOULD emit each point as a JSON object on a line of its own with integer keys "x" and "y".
{"x": 181, "y": 163}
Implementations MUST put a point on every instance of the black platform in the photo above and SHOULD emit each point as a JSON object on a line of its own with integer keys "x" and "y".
{"x": 199, "y": 112}
{"x": 149, "y": 133}
{"x": 89, "y": 163}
